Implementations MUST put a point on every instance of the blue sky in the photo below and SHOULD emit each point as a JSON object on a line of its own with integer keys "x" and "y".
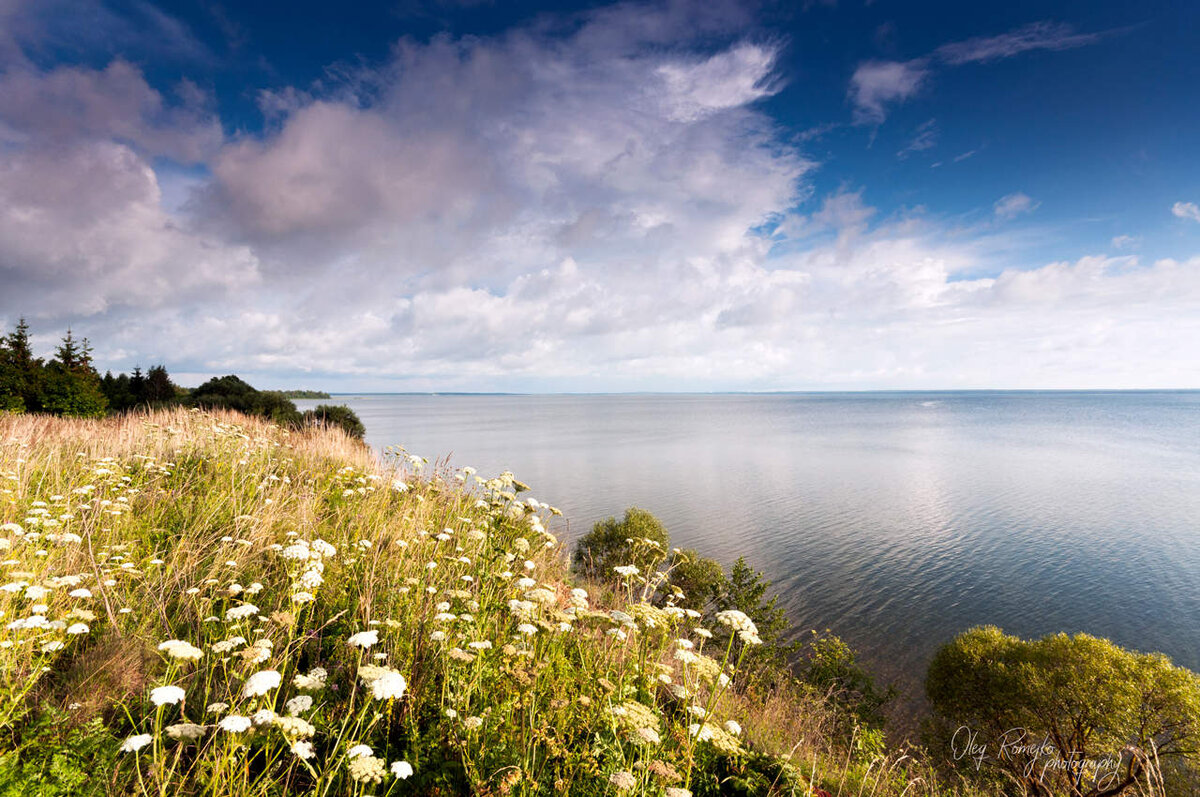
{"x": 639, "y": 196}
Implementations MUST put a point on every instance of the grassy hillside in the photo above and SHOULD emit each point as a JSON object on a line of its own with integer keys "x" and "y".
{"x": 202, "y": 603}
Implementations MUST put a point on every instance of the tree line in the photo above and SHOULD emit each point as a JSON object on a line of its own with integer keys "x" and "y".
{"x": 68, "y": 384}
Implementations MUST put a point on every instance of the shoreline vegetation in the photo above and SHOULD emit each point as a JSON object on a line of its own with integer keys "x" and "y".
{"x": 68, "y": 385}
{"x": 206, "y": 595}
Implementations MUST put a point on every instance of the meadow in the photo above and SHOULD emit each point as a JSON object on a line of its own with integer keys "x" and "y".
{"x": 206, "y": 603}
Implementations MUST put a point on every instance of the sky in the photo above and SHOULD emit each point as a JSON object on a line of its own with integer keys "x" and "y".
{"x": 643, "y": 196}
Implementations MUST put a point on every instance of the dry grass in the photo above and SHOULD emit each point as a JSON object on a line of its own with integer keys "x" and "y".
{"x": 266, "y": 551}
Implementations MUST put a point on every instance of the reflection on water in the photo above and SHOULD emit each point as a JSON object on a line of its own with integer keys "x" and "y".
{"x": 895, "y": 519}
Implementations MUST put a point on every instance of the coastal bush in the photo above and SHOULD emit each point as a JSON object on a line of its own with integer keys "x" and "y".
{"x": 337, "y": 416}
{"x": 638, "y": 540}
{"x": 1064, "y": 715}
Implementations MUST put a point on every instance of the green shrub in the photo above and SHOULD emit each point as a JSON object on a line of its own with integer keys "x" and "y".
{"x": 614, "y": 543}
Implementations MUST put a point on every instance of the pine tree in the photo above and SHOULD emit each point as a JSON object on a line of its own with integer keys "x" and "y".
{"x": 73, "y": 387}
{"x": 20, "y": 372}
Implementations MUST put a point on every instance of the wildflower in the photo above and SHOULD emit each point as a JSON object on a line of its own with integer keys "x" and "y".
{"x": 704, "y": 633}
{"x": 473, "y": 723}
{"x": 389, "y": 686}
{"x": 261, "y": 682}
{"x": 627, "y": 571}
{"x": 402, "y": 769}
{"x": 649, "y": 736}
{"x": 178, "y": 649}
{"x": 235, "y": 723}
{"x": 313, "y": 682}
{"x": 82, "y": 592}
{"x": 527, "y": 629}
{"x": 303, "y": 597}
{"x": 299, "y": 704}
{"x": 676, "y": 791}
{"x": 294, "y": 727}
{"x": 359, "y": 750}
{"x": 226, "y": 645}
{"x": 166, "y": 695}
{"x": 624, "y": 781}
{"x": 367, "y": 769}
{"x": 302, "y": 750}
{"x": 733, "y": 727}
{"x": 749, "y": 638}
{"x": 186, "y": 731}
{"x": 78, "y": 628}
{"x": 480, "y": 645}
{"x": 258, "y": 652}
{"x": 135, "y": 743}
{"x": 216, "y": 708}
{"x": 438, "y": 636}
{"x": 364, "y": 639}
{"x": 241, "y": 612}
{"x": 738, "y": 621}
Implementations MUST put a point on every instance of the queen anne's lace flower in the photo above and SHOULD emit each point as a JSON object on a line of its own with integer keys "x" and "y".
{"x": 367, "y": 769}
{"x": 179, "y": 649}
{"x": 402, "y": 769}
{"x": 261, "y": 682}
{"x": 390, "y": 685}
{"x": 166, "y": 695}
{"x": 364, "y": 639}
{"x": 135, "y": 743}
{"x": 235, "y": 723}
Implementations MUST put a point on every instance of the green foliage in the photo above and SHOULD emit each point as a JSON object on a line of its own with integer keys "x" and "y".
{"x": 20, "y": 372}
{"x": 59, "y": 757}
{"x": 305, "y": 394}
{"x": 232, "y": 393}
{"x": 832, "y": 667}
{"x": 697, "y": 580}
{"x": 335, "y": 415}
{"x": 614, "y": 543}
{"x": 1088, "y": 698}
{"x": 747, "y": 589}
{"x": 71, "y": 384}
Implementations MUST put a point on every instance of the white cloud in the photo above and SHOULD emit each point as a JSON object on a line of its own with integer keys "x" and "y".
{"x": 533, "y": 211}
{"x": 1034, "y": 36}
{"x": 1125, "y": 241}
{"x": 1186, "y": 210}
{"x": 1013, "y": 205}
{"x": 68, "y": 103}
{"x": 875, "y": 84}
{"x": 923, "y": 139}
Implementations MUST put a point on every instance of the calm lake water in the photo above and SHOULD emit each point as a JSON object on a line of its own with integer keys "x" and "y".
{"x": 894, "y": 519}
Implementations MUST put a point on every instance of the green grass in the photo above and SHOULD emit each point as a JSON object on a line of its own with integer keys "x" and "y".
{"x": 480, "y": 667}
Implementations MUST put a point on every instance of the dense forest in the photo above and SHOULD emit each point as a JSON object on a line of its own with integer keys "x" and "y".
{"x": 69, "y": 385}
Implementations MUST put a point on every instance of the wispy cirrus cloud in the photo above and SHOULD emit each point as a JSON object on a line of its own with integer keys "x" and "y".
{"x": 1034, "y": 36}
{"x": 877, "y": 84}
{"x": 924, "y": 138}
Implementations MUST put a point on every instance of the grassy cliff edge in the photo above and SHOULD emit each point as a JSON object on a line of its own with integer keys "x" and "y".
{"x": 204, "y": 603}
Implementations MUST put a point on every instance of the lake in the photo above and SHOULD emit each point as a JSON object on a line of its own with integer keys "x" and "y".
{"x": 894, "y": 519}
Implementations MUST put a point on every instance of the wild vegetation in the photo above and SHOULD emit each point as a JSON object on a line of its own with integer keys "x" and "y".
{"x": 203, "y": 602}
{"x": 69, "y": 385}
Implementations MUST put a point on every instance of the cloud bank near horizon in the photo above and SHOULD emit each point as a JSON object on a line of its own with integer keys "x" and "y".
{"x": 603, "y": 205}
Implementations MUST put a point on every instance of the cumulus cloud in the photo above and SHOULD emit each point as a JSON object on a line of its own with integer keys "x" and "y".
{"x": 1013, "y": 205}
{"x": 569, "y": 206}
{"x": 875, "y": 84}
{"x": 1186, "y": 210}
{"x": 65, "y": 104}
